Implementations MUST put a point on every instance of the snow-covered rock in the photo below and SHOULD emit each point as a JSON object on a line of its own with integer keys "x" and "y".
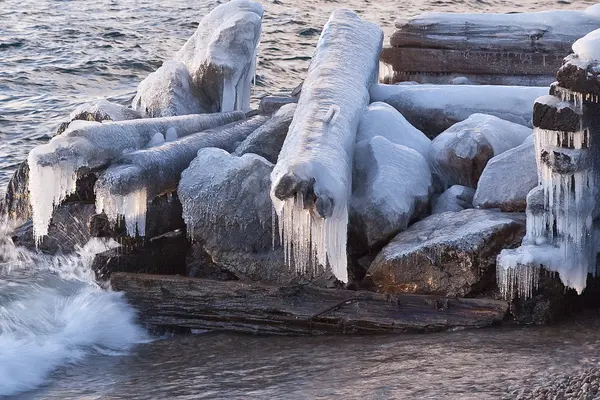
{"x": 267, "y": 140}
{"x": 456, "y": 198}
{"x": 434, "y": 108}
{"x": 167, "y": 92}
{"x": 99, "y": 111}
{"x": 221, "y": 54}
{"x": 227, "y": 210}
{"x": 124, "y": 189}
{"x": 391, "y": 186}
{"x": 450, "y": 254}
{"x": 381, "y": 119}
{"x": 459, "y": 154}
{"x": 311, "y": 183}
{"x": 507, "y": 179}
{"x": 588, "y": 47}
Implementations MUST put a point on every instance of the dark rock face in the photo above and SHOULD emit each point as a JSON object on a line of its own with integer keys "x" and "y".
{"x": 164, "y": 255}
{"x": 450, "y": 254}
{"x": 548, "y": 116}
{"x": 15, "y": 205}
{"x": 565, "y": 161}
{"x": 579, "y": 76}
{"x": 69, "y": 228}
{"x": 267, "y": 140}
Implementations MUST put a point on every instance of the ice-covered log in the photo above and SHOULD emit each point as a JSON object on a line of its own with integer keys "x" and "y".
{"x": 459, "y": 154}
{"x": 178, "y": 302}
{"x": 267, "y": 140}
{"x": 312, "y": 178}
{"x": 167, "y": 92}
{"x": 381, "y": 119}
{"x": 124, "y": 189}
{"x": 391, "y": 186}
{"x": 221, "y": 54}
{"x": 55, "y": 166}
{"x": 434, "y": 108}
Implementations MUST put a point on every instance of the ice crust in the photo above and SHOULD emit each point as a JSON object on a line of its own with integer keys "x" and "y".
{"x": 588, "y": 47}
{"x": 381, "y": 119}
{"x": 123, "y": 190}
{"x": 311, "y": 182}
{"x": 55, "y": 166}
{"x": 221, "y": 54}
{"x": 105, "y": 110}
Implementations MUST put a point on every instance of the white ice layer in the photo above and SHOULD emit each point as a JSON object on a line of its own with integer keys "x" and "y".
{"x": 381, "y": 119}
{"x": 55, "y": 166}
{"x": 316, "y": 158}
{"x": 221, "y": 55}
{"x": 588, "y": 47}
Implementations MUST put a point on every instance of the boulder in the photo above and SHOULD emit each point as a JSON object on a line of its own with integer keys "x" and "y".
{"x": 16, "y": 205}
{"x": 227, "y": 209}
{"x": 507, "y": 179}
{"x": 267, "y": 140}
{"x": 167, "y": 92}
{"x": 460, "y": 153}
{"x": 221, "y": 55}
{"x": 381, "y": 119}
{"x": 456, "y": 198}
{"x": 449, "y": 254}
{"x": 391, "y": 187}
{"x": 68, "y": 229}
{"x": 99, "y": 111}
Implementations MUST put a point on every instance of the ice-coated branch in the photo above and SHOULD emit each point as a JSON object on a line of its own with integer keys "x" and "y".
{"x": 221, "y": 55}
{"x": 123, "y": 190}
{"x": 56, "y": 165}
{"x": 311, "y": 182}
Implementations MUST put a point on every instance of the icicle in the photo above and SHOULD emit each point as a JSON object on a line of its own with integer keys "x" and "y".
{"x": 132, "y": 207}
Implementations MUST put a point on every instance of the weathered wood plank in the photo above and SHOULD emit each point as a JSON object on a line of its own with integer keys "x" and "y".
{"x": 426, "y": 60}
{"x": 180, "y": 302}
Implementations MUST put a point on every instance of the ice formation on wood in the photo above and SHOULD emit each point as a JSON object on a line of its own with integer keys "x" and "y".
{"x": 55, "y": 166}
{"x": 221, "y": 55}
{"x": 562, "y": 210}
{"x": 123, "y": 190}
{"x": 311, "y": 181}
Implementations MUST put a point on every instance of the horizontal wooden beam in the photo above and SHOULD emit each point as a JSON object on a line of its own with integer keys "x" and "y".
{"x": 180, "y": 302}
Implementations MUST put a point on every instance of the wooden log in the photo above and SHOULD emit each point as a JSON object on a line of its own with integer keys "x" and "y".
{"x": 181, "y": 302}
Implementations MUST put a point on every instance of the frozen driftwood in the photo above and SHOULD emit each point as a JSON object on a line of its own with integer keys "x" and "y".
{"x": 434, "y": 108}
{"x": 487, "y": 48}
{"x": 84, "y": 146}
{"x": 221, "y": 55}
{"x": 124, "y": 189}
{"x": 178, "y": 302}
{"x": 312, "y": 177}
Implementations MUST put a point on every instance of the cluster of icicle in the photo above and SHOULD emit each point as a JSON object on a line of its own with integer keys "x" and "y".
{"x": 561, "y": 237}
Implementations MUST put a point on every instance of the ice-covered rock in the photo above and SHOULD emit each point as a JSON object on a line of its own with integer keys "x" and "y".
{"x": 270, "y": 104}
{"x": 267, "y": 140}
{"x": 124, "y": 189}
{"x": 588, "y": 47}
{"x": 99, "y": 111}
{"x": 381, "y": 119}
{"x": 227, "y": 209}
{"x": 221, "y": 54}
{"x": 434, "y": 108}
{"x": 459, "y": 154}
{"x": 456, "y": 198}
{"x": 311, "y": 183}
{"x": 391, "y": 187}
{"x": 507, "y": 179}
{"x": 450, "y": 254}
{"x": 16, "y": 206}
{"x": 167, "y": 92}
{"x": 56, "y": 166}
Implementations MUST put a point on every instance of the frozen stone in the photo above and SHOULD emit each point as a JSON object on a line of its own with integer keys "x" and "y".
{"x": 455, "y": 198}
{"x": 381, "y": 119}
{"x": 391, "y": 188}
{"x": 507, "y": 179}
{"x": 450, "y": 254}
{"x": 459, "y": 154}
{"x": 167, "y": 92}
{"x": 99, "y": 111}
{"x": 221, "y": 54}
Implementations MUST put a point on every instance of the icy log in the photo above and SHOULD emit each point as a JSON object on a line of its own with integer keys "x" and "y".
{"x": 311, "y": 181}
{"x": 221, "y": 55}
{"x": 176, "y": 302}
{"x": 124, "y": 189}
{"x": 496, "y": 45}
{"x": 434, "y": 108}
{"x": 55, "y": 166}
